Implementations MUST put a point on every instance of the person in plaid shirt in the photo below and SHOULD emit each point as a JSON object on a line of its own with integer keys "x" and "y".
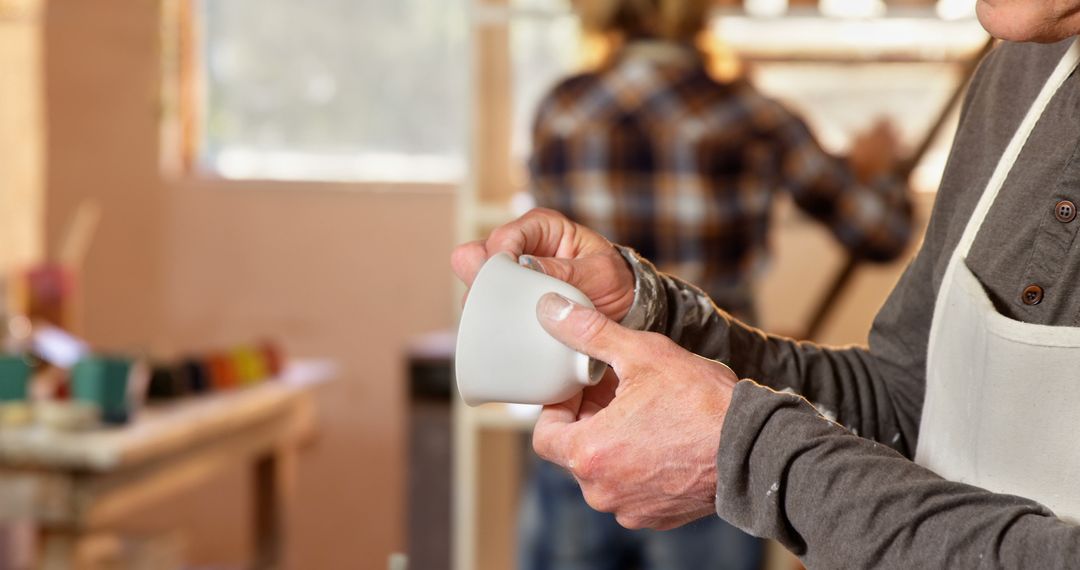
{"x": 656, "y": 155}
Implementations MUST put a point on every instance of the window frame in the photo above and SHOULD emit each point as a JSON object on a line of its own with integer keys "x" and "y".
{"x": 184, "y": 96}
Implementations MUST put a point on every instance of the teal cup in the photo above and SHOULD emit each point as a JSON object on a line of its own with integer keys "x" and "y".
{"x": 14, "y": 378}
{"x": 104, "y": 381}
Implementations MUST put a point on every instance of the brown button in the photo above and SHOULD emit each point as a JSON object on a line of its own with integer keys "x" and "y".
{"x": 1065, "y": 211}
{"x": 1033, "y": 295}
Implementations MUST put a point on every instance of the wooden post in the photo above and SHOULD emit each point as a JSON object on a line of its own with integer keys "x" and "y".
{"x": 21, "y": 134}
{"x": 274, "y": 481}
{"x": 59, "y": 546}
{"x": 493, "y": 110}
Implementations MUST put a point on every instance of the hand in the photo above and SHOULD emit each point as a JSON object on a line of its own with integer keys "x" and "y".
{"x": 647, "y": 451}
{"x": 554, "y": 245}
{"x": 875, "y": 152}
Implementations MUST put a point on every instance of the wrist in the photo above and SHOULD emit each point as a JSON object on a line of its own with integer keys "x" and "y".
{"x": 717, "y": 409}
{"x": 646, "y": 291}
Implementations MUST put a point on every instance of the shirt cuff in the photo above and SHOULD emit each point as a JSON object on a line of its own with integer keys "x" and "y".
{"x": 647, "y": 298}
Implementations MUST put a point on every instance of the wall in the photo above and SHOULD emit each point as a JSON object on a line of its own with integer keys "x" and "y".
{"x": 347, "y": 274}
{"x": 334, "y": 270}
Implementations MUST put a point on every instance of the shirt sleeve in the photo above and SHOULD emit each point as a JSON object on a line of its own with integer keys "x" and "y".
{"x": 840, "y": 501}
{"x": 872, "y": 221}
{"x": 875, "y": 392}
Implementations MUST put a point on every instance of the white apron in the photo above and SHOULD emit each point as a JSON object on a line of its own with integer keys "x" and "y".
{"x": 1002, "y": 408}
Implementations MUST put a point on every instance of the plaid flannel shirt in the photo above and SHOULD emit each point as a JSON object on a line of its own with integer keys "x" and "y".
{"x": 656, "y": 155}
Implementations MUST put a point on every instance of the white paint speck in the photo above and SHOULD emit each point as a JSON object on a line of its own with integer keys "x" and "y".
{"x": 775, "y": 487}
{"x": 826, "y": 412}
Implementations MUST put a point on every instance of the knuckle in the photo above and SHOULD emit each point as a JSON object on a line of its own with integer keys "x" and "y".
{"x": 540, "y": 212}
{"x": 499, "y": 235}
{"x": 459, "y": 253}
{"x": 543, "y": 445}
{"x": 566, "y": 271}
{"x": 540, "y": 217}
{"x": 540, "y": 444}
{"x": 629, "y": 521}
{"x": 589, "y": 463}
{"x": 464, "y": 252}
{"x": 599, "y": 500}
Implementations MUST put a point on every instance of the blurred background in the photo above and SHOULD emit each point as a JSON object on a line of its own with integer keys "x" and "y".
{"x": 186, "y": 179}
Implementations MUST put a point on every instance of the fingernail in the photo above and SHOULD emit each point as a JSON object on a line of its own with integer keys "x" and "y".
{"x": 530, "y": 262}
{"x": 554, "y": 307}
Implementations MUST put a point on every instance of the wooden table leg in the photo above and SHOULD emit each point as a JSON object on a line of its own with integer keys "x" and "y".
{"x": 58, "y": 548}
{"x": 274, "y": 483}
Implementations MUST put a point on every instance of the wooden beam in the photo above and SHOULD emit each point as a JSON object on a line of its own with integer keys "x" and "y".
{"x": 21, "y": 135}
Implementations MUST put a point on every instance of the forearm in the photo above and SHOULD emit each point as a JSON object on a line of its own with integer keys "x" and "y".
{"x": 845, "y": 384}
{"x": 839, "y": 501}
{"x": 872, "y": 221}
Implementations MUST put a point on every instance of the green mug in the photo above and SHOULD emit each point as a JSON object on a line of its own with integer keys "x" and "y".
{"x": 14, "y": 378}
{"x": 104, "y": 381}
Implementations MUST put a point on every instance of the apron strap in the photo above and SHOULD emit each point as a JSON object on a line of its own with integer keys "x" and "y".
{"x": 1062, "y": 72}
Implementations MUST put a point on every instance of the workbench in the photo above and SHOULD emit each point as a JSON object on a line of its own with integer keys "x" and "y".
{"x": 74, "y": 485}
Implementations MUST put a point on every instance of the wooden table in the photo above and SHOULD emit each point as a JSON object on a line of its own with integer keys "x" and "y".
{"x": 73, "y": 485}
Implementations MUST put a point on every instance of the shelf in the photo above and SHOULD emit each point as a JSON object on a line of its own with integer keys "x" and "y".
{"x": 161, "y": 429}
{"x": 830, "y": 40}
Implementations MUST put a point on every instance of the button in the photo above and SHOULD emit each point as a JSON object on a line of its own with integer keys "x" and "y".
{"x": 1065, "y": 211}
{"x": 1033, "y": 295}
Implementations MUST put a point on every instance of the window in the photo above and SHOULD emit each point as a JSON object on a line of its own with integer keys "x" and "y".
{"x": 369, "y": 90}
{"x": 544, "y": 50}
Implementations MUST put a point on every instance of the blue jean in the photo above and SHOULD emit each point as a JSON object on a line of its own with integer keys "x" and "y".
{"x": 559, "y": 531}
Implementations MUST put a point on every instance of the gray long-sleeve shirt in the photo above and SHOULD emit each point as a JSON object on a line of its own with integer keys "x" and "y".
{"x": 852, "y": 498}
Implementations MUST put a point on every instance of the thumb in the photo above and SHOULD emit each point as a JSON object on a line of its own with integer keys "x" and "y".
{"x": 585, "y": 330}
